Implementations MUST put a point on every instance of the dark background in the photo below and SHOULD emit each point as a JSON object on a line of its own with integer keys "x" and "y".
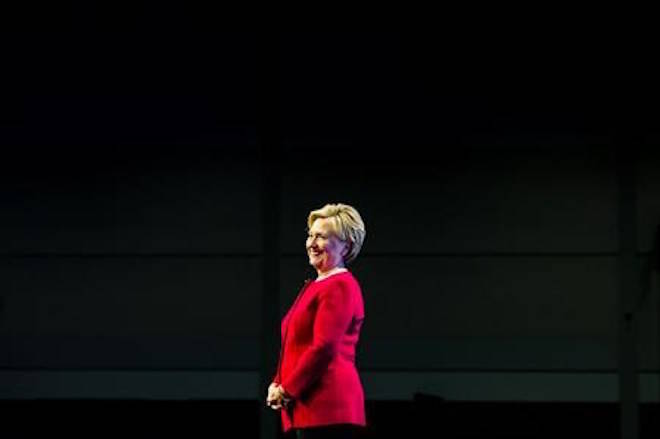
{"x": 484, "y": 160}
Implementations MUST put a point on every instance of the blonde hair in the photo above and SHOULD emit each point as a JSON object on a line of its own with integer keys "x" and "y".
{"x": 346, "y": 224}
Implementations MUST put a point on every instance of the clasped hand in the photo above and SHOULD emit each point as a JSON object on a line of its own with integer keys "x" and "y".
{"x": 277, "y": 397}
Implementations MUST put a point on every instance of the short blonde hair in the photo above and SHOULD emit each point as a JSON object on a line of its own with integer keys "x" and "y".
{"x": 346, "y": 223}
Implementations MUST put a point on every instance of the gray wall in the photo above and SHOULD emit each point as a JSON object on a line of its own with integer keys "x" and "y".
{"x": 489, "y": 274}
{"x": 130, "y": 207}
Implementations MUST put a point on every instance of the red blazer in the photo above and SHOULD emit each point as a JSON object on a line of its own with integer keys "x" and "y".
{"x": 317, "y": 360}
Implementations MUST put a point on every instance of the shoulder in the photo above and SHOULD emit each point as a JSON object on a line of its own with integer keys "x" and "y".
{"x": 344, "y": 283}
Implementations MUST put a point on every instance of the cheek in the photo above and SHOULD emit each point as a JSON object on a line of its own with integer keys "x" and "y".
{"x": 335, "y": 250}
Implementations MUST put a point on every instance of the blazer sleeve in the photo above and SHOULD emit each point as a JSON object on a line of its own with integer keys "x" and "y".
{"x": 333, "y": 316}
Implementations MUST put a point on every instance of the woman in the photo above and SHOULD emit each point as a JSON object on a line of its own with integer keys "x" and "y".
{"x": 317, "y": 387}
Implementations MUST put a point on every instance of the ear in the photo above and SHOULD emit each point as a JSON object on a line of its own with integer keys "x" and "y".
{"x": 347, "y": 249}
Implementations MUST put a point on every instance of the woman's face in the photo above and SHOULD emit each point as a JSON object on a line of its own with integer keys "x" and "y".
{"x": 324, "y": 249}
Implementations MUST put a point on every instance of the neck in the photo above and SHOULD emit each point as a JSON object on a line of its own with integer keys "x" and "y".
{"x": 326, "y": 273}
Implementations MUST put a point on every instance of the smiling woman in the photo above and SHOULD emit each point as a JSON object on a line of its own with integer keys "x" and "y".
{"x": 317, "y": 386}
{"x": 335, "y": 237}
